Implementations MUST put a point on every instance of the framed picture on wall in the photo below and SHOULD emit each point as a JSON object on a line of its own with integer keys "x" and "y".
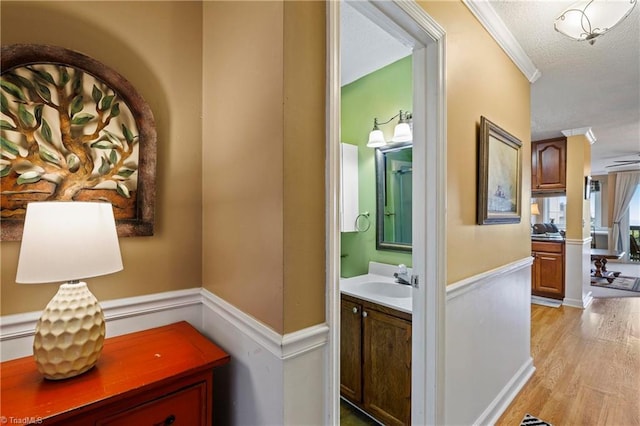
{"x": 587, "y": 187}
{"x": 73, "y": 129}
{"x": 499, "y": 175}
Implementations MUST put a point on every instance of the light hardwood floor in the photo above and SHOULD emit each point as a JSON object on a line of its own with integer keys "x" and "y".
{"x": 587, "y": 366}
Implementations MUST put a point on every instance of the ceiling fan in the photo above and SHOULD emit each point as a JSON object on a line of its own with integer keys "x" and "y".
{"x": 621, "y": 163}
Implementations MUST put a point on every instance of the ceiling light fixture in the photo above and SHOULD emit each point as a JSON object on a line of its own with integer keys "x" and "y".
{"x": 588, "y": 19}
{"x": 401, "y": 133}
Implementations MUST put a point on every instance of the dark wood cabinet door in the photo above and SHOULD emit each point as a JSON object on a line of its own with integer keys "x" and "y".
{"x": 549, "y": 275}
{"x": 351, "y": 350}
{"x": 549, "y": 165}
{"x": 387, "y": 367}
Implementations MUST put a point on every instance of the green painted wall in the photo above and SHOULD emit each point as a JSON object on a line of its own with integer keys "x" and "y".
{"x": 380, "y": 94}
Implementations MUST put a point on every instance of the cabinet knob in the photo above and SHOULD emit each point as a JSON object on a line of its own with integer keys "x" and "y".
{"x": 169, "y": 420}
{"x": 364, "y": 314}
{"x": 355, "y": 310}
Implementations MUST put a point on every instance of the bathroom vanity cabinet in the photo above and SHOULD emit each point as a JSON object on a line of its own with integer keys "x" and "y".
{"x": 375, "y": 359}
{"x": 547, "y": 272}
{"x": 160, "y": 376}
{"x": 549, "y": 166}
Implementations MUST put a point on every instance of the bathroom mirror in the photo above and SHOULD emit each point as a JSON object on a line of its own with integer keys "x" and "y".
{"x": 394, "y": 166}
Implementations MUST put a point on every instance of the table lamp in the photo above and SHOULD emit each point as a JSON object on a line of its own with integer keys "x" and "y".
{"x": 68, "y": 241}
{"x": 535, "y": 211}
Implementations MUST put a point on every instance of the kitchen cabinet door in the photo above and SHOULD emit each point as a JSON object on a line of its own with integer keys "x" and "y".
{"x": 549, "y": 166}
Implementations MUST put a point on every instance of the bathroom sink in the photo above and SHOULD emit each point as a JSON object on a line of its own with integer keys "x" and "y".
{"x": 388, "y": 289}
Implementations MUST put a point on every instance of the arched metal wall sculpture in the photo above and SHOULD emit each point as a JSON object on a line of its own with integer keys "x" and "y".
{"x": 73, "y": 129}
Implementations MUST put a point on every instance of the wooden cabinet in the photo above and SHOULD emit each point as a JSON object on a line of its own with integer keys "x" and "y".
{"x": 159, "y": 376}
{"x": 375, "y": 360}
{"x": 547, "y": 273}
{"x": 351, "y": 349}
{"x": 549, "y": 166}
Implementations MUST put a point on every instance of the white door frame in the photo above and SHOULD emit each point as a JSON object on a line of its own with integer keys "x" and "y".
{"x": 408, "y": 22}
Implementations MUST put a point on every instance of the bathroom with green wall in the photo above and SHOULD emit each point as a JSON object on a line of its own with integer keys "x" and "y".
{"x": 381, "y": 94}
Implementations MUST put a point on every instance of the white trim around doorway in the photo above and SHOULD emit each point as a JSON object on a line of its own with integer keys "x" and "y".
{"x": 409, "y": 22}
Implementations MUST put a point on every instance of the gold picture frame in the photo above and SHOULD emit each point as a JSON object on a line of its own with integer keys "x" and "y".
{"x": 499, "y": 175}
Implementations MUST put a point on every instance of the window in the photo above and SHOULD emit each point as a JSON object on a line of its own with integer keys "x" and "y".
{"x": 634, "y": 209}
{"x": 595, "y": 202}
{"x": 555, "y": 211}
{"x": 552, "y": 210}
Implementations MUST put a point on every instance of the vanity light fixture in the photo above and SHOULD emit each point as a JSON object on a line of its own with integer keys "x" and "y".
{"x": 588, "y": 19}
{"x": 68, "y": 241}
{"x": 401, "y": 133}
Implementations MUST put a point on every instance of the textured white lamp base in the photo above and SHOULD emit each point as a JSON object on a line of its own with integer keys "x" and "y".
{"x": 70, "y": 333}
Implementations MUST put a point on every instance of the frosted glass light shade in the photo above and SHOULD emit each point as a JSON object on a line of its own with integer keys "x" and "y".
{"x": 376, "y": 139}
{"x": 402, "y": 133}
{"x": 588, "y": 19}
{"x": 65, "y": 241}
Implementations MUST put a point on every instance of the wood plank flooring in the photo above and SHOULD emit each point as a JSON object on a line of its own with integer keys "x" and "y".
{"x": 587, "y": 366}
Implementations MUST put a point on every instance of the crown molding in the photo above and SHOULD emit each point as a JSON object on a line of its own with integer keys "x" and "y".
{"x": 486, "y": 14}
{"x": 586, "y": 131}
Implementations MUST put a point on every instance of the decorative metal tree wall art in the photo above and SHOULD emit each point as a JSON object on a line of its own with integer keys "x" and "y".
{"x": 73, "y": 129}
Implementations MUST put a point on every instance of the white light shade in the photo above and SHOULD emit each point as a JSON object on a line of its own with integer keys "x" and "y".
{"x": 535, "y": 211}
{"x": 65, "y": 241}
{"x": 376, "y": 139}
{"x": 588, "y": 19}
{"x": 402, "y": 133}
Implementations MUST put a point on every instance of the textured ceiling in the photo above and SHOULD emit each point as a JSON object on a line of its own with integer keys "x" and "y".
{"x": 365, "y": 47}
{"x": 581, "y": 85}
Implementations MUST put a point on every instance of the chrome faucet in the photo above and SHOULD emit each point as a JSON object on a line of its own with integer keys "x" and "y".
{"x": 402, "y": 277}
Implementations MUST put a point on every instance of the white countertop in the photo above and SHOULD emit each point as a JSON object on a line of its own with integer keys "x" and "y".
{"x": 356, "y": 287}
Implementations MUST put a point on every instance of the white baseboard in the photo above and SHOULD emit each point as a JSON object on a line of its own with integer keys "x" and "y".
{"x": 493, "y": 412}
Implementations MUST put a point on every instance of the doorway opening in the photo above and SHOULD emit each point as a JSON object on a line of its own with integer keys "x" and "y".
{"x": 407, "y": 23}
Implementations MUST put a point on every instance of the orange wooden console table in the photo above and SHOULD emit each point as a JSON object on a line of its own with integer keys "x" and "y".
{"x": 159, "y": 376}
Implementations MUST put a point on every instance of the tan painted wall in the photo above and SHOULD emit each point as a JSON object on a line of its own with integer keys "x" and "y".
{"x": 261, "y": 194}
{"x": 157, "y": 47}
{"x": 481, "y": 80}
{"x": 578, "y": 166}
{"x": 263, "y": 159}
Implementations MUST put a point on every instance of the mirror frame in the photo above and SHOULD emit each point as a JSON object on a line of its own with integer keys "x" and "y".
{"x": 381, "y": 193}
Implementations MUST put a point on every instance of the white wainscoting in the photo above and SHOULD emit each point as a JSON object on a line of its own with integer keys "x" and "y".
{"x": 577, "y": 273}
{"x": 122, "y": 316}
{"x": 271, "y": 380}
{"x": 488, "y": 354}
{"x": 275, "y": 380}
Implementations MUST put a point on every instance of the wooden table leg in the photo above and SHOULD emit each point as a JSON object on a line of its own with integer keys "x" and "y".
{"x": 598, "y": 262}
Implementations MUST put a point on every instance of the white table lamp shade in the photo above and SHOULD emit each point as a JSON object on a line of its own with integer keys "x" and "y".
{"x": 66, "y": 241}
